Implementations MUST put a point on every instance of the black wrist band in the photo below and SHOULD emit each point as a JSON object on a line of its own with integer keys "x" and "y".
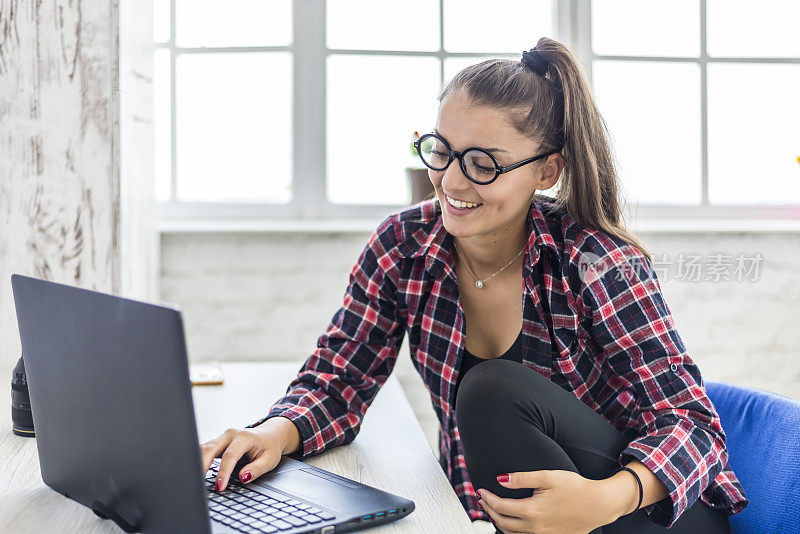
{"x": 638, "y": 481}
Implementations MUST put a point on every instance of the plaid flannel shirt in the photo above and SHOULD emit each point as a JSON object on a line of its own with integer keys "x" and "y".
{"x": 595, "y": 323}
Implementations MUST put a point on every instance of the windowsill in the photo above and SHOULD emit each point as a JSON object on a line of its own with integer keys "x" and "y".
{"x": 268, "y": 225}
{"x": 716, "y": 225}
{"x": 247, "y": 225}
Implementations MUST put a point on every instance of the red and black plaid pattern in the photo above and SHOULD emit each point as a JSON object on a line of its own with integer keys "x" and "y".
{"x": 594, "y": 322}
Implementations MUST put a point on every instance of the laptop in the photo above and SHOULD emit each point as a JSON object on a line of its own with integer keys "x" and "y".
{"x": 111, "y": 399}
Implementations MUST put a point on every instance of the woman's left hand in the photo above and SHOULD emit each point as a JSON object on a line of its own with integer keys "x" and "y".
{"x": 563, "y": 502}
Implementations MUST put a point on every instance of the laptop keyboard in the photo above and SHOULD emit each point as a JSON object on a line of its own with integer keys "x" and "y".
{"x": 257, "y": 509}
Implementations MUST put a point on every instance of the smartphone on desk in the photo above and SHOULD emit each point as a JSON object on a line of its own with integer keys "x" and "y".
{"x": 206, "y": 374}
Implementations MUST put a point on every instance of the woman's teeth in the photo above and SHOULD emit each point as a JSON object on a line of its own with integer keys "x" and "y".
{"x": 462, "y": 205}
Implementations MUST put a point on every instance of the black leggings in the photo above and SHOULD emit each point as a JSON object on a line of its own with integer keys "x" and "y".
{"x": 511, "y": 418}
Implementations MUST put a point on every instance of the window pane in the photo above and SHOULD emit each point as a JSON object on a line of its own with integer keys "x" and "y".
{"x": 653, "y": 112}
{"x": 233, "y": 23}
{"x": 768, "y": 28}
{"x": 752, "y": 152}
{"x": 374, "y": 105}
{"x": 234, "y": 129}
{"x": 646, "y": 28}
{"x": 162, "y": 124}
{"x": 161, "y": 21}
{"x": 408, "y": 25}
{"x": 499, "y": 26}
{"x": 453, "y": 65}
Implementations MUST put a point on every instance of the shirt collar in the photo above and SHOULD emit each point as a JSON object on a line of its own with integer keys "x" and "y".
{"x": 436, "y": 245}
{"x": 539, "y": 234}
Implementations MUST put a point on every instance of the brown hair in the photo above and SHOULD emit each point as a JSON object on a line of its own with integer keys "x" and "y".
{"x": 559, "y": 112}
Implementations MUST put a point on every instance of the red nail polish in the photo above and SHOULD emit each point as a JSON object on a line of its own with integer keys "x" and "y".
{"x": 503, "y": 478}
{"x": 218, "y": 485}
{"x": 245, "y": 476}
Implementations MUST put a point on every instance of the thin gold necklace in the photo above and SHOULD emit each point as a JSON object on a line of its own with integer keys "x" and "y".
{"x": 479, "y": 283}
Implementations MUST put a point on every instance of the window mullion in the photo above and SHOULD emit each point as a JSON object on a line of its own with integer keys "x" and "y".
{"x": 564, "y": 22}
{"x": 704, "y": 201}
{"x": 308, "y": 124}
{"x": 441, "y": 44}
{"x": 173, "y": 167}
{"x": 583, "y": 37}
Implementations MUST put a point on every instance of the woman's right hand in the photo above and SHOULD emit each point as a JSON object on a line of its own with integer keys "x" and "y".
{"x": 262, "y": 447}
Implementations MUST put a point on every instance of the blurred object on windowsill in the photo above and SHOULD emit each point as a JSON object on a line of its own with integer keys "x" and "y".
{"x": 419, "y": 185}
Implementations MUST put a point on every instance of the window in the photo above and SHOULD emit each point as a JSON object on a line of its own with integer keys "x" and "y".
{"x": 378, "y": 94}
{"x": 700, "y": 96}
{"x": 264, "y": 122}
{"x": 306, "y": 110}
{"x": 223, "y": 81}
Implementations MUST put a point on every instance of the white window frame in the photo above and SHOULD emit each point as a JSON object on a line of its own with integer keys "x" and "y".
{"x": 704, "y": 216}
{"x": 309, "y": 208}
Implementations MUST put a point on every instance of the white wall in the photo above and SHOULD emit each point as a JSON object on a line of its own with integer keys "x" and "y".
{"x": 268, "y": 296}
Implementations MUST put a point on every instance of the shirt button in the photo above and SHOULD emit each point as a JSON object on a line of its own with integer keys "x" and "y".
{"x": 673, "y": 367}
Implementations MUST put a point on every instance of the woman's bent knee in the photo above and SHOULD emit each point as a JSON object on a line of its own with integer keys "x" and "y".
{"x": 498, "y": 382}
{"x": 485, "y": 384}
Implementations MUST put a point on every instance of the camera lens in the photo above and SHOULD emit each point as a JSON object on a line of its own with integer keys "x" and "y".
{"x": 21, "y": 415}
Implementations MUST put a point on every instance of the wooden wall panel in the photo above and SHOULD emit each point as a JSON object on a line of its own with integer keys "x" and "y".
{"x": 59, "y": 191}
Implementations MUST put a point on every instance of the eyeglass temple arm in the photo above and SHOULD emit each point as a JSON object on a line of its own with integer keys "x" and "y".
{"x": 525, "y": 162}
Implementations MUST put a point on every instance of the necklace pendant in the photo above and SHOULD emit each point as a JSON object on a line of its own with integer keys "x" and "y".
{"x": 478, "y": 284}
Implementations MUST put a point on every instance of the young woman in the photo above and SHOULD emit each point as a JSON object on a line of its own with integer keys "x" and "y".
{"x": 566, "y": 398}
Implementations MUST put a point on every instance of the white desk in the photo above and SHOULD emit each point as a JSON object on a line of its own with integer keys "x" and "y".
{"x": 390, "y": 453}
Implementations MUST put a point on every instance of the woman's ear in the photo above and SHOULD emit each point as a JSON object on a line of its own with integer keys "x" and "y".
{"x": 550, "y": 171}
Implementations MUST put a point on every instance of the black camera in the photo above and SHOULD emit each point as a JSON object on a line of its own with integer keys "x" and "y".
{"x": 21, "y": 415}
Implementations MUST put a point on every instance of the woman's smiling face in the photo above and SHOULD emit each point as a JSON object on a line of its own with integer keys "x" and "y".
{"x": 504, "y": 202}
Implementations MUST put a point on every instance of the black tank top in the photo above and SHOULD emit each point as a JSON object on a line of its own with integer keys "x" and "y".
{"x": 514, "y": 353}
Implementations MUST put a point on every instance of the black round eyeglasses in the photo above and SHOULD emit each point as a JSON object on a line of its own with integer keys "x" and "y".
{"x": 477, "y": 164}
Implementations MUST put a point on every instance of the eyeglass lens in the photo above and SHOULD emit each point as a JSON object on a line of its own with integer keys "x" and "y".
{"x": 478, "y": 165}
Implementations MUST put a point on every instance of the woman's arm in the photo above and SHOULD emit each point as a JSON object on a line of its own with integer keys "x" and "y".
{"x": 623, "y": 491}
{"x": 328, "y": 398}
{"x": 682, "y": 442}
{"x": 287, "y": 429}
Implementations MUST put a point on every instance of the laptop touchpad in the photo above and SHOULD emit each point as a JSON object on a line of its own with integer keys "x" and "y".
{"x": 312, "y": 486}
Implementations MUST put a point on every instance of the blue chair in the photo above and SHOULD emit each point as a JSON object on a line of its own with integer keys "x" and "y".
{"x": 763, "y": 439}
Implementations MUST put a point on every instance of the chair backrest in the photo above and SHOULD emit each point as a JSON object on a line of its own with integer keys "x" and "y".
{"x": 762, "y": 432}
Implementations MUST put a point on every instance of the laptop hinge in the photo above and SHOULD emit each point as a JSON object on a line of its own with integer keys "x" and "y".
{"x": 101, "y": 510}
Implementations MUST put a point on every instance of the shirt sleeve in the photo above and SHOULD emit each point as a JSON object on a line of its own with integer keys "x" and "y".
{"x": 354, "y": 356}
{"x": 681, "y": 438}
